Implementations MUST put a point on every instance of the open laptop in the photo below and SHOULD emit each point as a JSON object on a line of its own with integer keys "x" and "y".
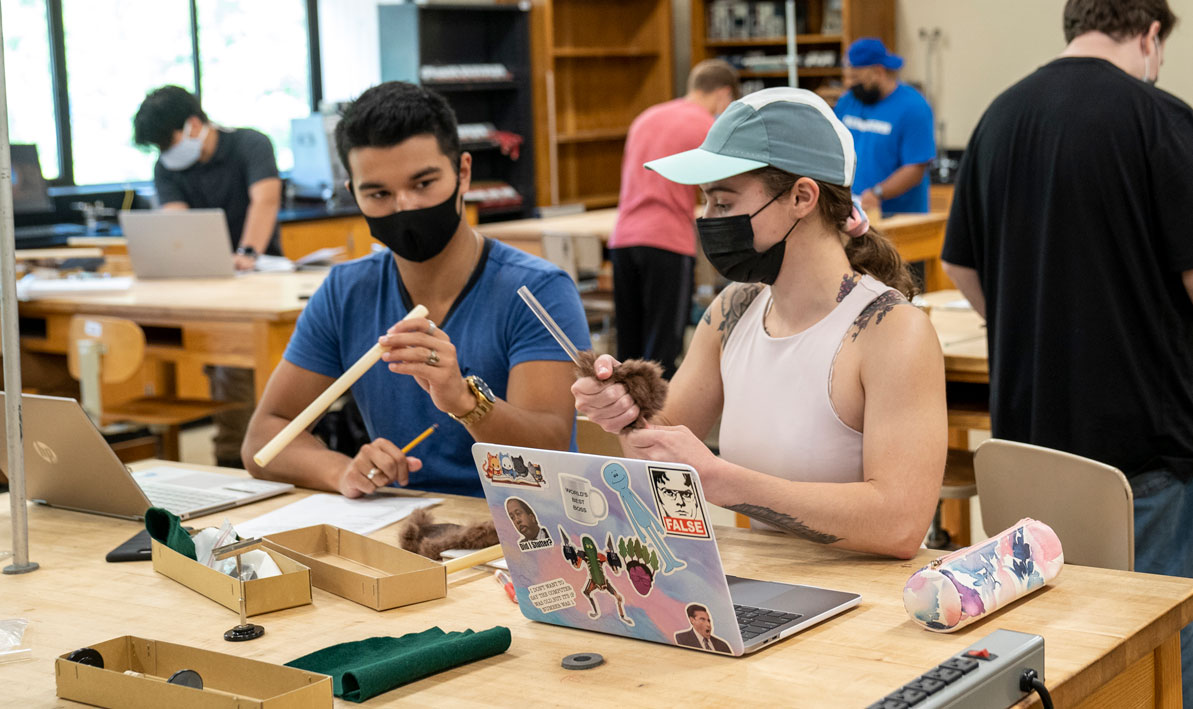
{"x": 625, "y": 547}
{"x": 68, "y": 464}
{"x": 178, "y": 243}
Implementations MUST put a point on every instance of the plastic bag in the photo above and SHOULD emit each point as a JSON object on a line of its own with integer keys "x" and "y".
{"x": 12, "y": 641}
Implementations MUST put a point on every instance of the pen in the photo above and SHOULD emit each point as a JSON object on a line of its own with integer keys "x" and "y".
{"x": 503, "y": 579}
{"x": 419, "y": 438}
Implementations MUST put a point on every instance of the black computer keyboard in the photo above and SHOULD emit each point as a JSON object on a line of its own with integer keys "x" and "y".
{"x": 758, "y": 621}
{"x": 45, "y": 236}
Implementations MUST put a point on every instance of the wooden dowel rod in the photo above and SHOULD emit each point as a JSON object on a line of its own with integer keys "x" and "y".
{"x": 316, "y": 408}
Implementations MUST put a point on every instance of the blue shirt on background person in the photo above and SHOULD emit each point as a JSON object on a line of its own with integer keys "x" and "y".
{"x": 892, "y": 127}
{"x": 493, "y": 328}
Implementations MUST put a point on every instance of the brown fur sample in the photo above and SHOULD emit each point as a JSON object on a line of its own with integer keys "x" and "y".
{"x": 426, "y": 537}
{"x": 642, "y": 379}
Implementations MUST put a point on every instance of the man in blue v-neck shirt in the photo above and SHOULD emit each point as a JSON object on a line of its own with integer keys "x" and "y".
{"x": 480, "y": 365}
{"x": 892, "y": 129}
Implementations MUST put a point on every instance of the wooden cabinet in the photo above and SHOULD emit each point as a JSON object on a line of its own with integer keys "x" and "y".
{"x": 825, "y": 29}
{"x": 597, "y": 65}
{"x": 301, "y": 238}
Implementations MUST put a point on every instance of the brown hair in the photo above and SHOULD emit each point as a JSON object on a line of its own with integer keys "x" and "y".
{"x": 711, "y": 74}
{"x": 1120, "y": 19}
{"x": 871, "y": 253}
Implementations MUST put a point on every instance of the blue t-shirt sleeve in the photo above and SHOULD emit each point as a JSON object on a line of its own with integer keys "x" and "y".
{"x": 529, "y": 339}
{"x": 919, "y": 135}
{"x": 315, "y": 345}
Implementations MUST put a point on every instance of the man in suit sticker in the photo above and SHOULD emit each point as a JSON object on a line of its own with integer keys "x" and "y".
{"x": 700, "y": 634}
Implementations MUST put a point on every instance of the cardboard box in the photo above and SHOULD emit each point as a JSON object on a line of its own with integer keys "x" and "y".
{"x": 292, "y": 588}
{"x": 372, "y": 573}
{"x": 228, "y": 681}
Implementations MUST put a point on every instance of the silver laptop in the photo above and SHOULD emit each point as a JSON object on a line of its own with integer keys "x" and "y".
{"x": 178, "y": 243}
{"x": 68, "y": 464}
{"x": 625, "y": 546}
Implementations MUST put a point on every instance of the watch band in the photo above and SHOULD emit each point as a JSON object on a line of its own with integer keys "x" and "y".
{"x": 483, "y": 405}
{"x": 877, "y": 190}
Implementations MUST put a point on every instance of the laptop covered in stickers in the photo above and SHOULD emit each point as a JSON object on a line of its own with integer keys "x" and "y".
{"x": 624, "y": 546}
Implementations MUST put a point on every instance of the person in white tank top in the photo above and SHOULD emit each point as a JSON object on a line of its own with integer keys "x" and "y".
{"x": 829, "y": 384}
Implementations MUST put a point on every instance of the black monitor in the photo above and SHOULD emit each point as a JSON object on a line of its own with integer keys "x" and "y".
{"x": 29, "y": 193}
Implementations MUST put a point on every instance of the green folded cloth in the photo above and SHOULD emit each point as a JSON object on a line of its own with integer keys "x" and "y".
{"x": 363, "y": 669}
{"x": 165, "y": 527}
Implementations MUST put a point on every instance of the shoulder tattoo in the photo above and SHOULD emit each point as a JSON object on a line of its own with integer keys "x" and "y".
{"x": 847, "y": 283}
{"x": 876, "y": 311}
{"x": 734, "y": 301}
{"x": 785, "y": 522}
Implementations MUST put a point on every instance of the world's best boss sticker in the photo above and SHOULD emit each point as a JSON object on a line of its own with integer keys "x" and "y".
{"x": 678, "y": 502}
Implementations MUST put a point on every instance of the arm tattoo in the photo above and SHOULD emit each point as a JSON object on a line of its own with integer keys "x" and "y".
{"x": 876, "y": 310}
{"x": 784, "y": 522}
{"x": 734, "y": 302}
{"x": 708, "y": 315}
{"x": 847, "y": 283}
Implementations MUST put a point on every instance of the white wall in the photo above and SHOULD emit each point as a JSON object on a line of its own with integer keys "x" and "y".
{"x": 986, "y": 46}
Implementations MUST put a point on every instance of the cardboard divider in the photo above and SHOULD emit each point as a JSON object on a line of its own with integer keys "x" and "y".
{"x": 371, "y": 573}
{"x": 228, "y": 681}
{"x": 292, "y": 588}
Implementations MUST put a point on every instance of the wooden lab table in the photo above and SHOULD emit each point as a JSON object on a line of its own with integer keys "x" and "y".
{"x": 1111, "y": 637}
{"x": 962, "y": 334}
{"x": 244, "y": 321}
{"x": 919, "y": 237}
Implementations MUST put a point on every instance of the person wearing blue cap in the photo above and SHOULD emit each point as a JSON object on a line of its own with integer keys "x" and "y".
{"x": 829, "y": 385}
{"x": 893, "y": 131}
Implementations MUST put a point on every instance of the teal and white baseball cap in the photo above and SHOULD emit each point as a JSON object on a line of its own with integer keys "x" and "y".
{"x": 791, "y": 129}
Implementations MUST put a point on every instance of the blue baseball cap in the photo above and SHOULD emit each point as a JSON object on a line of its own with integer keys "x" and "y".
{"x": 791, "y": 129}
{"x": 870, "y": 51}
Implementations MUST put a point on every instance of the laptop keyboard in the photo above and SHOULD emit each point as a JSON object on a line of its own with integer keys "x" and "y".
{"x": 180, "y": 500}
{"x": 759, "y": 621}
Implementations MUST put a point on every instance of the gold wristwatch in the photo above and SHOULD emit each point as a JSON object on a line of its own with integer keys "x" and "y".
{"x": 484, "y": 401}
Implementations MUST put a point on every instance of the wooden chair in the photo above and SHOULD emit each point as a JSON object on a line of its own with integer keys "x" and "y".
{"x": 1088, "y": 504}
{"x": 104, "y": 350}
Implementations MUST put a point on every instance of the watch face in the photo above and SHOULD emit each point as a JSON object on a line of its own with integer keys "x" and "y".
{"x": 483, "y": 388}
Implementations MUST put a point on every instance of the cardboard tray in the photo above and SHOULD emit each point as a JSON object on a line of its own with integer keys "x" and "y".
{"x": 228, "y": 681}
{"x": 372, "y": 573}
{"x": 292, "y": 588}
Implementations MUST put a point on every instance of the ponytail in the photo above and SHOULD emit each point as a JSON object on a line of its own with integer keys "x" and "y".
{"x": 871, "y": 253}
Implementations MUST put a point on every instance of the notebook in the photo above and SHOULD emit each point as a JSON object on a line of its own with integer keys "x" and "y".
{"x": 178, "y": 243}
{"x": 68, "y": 464}
{"x": 625, "y": 547}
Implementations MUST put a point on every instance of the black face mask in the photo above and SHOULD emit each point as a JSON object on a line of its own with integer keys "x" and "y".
{"x": 728, "y": 242}
{"x": 869, "y": 95}
{"x": 418, "y": 234}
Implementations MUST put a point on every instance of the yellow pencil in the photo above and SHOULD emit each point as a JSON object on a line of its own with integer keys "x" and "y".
{"x": 419, "y": 439}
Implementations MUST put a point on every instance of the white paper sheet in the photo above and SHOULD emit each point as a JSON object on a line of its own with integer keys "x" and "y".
{"x": 361, "y": 515}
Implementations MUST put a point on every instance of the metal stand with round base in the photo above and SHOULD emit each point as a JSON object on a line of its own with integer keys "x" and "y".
{"x": 241, "y": 633}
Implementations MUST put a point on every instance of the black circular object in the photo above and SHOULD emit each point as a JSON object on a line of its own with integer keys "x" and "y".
{"x": 582, "y": 661}
{"x": 87, "y": 656}
{"x": 186, "y": 678}
{"x": 245, "y": 632}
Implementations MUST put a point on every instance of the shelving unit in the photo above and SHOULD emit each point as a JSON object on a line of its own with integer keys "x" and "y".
{"x": 858, "y": 18}
{"x": 415, "y": 36}
{"x": 597, "y": 65}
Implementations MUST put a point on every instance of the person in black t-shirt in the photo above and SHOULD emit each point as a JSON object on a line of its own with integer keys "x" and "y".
{"x": 1069, "y": 232}
{"x": 204, "y": 166}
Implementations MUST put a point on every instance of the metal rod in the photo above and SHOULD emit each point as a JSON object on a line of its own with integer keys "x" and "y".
{"x": 549, "y": 322}
{"x": 792, "y": 70}
{"x": 10, "y": 341}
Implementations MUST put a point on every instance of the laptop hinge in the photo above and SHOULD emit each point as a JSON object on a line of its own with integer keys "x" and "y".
{"x": 90, "y": 390}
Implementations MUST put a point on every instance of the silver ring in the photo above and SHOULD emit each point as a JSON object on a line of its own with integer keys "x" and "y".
{"x": 433, "y": 358}
{"x": 371, "y": 473}
{"x": 431, "y": 328}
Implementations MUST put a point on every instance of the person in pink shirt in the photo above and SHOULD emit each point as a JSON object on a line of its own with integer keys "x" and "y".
{"x": 653, "y": 245}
